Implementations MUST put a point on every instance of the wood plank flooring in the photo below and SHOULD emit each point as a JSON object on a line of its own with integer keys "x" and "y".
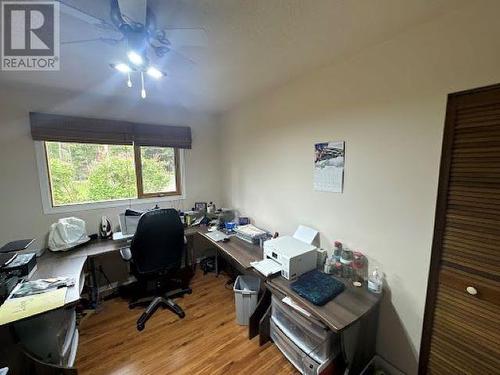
{"x": 206, "y": 341}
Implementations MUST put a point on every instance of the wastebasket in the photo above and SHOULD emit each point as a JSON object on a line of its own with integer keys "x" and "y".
{"x": 246, "y": 292}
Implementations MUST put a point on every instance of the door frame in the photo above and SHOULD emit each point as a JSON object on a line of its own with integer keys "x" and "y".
{"x": 440, "y": 217}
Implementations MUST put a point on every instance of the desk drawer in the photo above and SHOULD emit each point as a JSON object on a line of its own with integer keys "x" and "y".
{"x": 53, "y": 330}
{"x": 310, "y": 335}
{"x": 293, "y": 353}
{"x": 69, "y": 358}
{"x": 66, "y": 346}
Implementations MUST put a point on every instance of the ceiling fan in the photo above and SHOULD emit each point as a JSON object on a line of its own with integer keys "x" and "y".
{"x": 133, "y": 22}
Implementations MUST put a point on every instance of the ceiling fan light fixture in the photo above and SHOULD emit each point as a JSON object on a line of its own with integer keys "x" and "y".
{"x": 143, "y": 88}
{"x": 121, "y": 67}
{"x": 155, "y": 73}
{"x": 129, "y": 81}
{"x": 135, "y": 58}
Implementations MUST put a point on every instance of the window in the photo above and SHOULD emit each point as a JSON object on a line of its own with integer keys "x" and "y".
{"x": 81, "y": 173}
{"x": 157, "y": 174}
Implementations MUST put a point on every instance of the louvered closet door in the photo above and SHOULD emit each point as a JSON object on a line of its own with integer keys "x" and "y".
{"x": 461, "y": 332}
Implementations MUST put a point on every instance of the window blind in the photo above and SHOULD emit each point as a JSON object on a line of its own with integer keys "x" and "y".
{"x": 60, "y": 128}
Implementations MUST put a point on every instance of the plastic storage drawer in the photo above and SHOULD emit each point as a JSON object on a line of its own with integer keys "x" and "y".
{"x": 302, "y": 362}
{"x": 53, "y": 330}
{"x": 308, "y": 334}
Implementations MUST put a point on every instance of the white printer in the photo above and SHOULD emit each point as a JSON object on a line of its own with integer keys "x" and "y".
{"x": 290, "y": 256}
{"x": 294, "y": 256}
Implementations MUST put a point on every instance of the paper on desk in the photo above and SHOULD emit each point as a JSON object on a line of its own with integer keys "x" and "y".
{"x": 267, "y": 266}
{"x": 305, "y": 234}
{"x": 291, "y": 303}
{"x": 19, "y": 308}
{"x": 216, "y": 235}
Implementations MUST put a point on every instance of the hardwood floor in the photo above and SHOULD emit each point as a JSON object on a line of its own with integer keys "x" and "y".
{"x": 206, "y": 341}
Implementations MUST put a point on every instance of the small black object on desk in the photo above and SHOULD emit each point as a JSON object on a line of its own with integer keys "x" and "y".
{"x": 21, "y": 265}
{"x": 16, "y": 245}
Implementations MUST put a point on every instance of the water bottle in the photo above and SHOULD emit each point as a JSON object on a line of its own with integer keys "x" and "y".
{"x": 375, "y": 281}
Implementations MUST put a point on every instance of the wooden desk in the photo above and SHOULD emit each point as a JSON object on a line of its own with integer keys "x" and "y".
{"x": 354, "y": 305}
{"x": 241, "y": 252}
{"x": 353, "y": 314}
{"x": 95, "y": 248}
{"x": 51, "y": 265}
{"x": 70, "y": 264}
{"x": 341, "y": 312}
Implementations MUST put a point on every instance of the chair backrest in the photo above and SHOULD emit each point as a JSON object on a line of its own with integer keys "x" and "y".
{"x": 158, "y": 242}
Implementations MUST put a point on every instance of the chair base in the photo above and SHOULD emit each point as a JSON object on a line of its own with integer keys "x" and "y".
{"x": 154, "y": 302}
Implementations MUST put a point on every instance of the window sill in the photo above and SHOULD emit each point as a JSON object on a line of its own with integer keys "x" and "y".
{"x": 111, "y": 204}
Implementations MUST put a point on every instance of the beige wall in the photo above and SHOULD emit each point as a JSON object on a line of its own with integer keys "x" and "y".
{"x": 388, "y": 104}
{"x": 21, "y": 207}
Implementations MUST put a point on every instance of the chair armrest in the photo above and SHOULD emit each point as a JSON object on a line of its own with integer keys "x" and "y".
{"x": 126, "y": 254}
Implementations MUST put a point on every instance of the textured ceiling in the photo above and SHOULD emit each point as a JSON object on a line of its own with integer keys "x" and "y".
{"x": 253, "y": 45}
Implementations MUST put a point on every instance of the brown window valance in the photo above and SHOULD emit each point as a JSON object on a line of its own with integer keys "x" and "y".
{"x": 48, "y": 127}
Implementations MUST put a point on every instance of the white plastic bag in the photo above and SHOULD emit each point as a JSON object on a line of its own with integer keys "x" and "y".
{"x": 67, "y": 233}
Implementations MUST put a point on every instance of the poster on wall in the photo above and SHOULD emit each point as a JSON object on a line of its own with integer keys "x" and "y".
{"x": 329, "y": 166}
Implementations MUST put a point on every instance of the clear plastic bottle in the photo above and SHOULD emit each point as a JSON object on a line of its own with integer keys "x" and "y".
{"x": 327, "y": 266}
{"x": 337, "y": 250}
{"x": 358, "y": 265}
{"x": 337, "y": 270}
{"x": 376, "y": 281}
{"x": 346, "y": 260}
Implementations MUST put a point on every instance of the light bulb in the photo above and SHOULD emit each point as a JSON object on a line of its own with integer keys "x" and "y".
{"x": 155, "y": 73}
{"x": 124, "y": 68}
{"x": 135, "y": 58}
{"x": 143, "y": 94}
{"x": 129, "y": 81}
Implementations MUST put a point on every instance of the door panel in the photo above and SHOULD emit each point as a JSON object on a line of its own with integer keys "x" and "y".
{"x": 461, "y": 333}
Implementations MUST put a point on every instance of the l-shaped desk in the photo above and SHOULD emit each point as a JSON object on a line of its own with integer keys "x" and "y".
{"x": 353, "y": 314}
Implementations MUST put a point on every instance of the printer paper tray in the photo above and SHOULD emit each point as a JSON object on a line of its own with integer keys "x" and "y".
{"x": 267, "y": 267}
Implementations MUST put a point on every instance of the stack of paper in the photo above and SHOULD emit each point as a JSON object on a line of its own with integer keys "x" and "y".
{"x": 249, "y": 233}
{"x": 216, "y": 235}
{"x": 19, "y": 308}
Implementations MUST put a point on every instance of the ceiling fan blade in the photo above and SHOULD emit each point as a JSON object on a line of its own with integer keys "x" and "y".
{"x": 186, "y": 37}
{"x": 181, "y": 55}
{"x": 85, "y": 17}
{"x": 133, "y": 10}
{"x": 109, "y": 41}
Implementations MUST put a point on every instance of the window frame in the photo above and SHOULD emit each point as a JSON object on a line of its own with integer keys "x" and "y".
{"x": 140, "y": 181}
{"x": 148, "y": 198}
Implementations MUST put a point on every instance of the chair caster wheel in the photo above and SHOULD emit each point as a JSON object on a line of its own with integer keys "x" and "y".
{"x": 140, "y": 327}
{"x": 190, "y": 291}
{"x": 182, "y": 315}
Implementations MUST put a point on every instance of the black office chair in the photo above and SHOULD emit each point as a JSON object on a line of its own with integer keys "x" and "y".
{"x": 155, "y": 259}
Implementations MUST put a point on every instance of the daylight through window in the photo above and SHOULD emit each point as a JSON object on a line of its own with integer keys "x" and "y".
{"x": 85, "y": 173}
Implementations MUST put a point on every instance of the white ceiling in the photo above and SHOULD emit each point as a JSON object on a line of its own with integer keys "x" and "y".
{"x": 253, "y": 45}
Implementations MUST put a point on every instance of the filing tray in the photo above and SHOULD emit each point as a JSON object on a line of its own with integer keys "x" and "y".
{"x": 309, "y": 335}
